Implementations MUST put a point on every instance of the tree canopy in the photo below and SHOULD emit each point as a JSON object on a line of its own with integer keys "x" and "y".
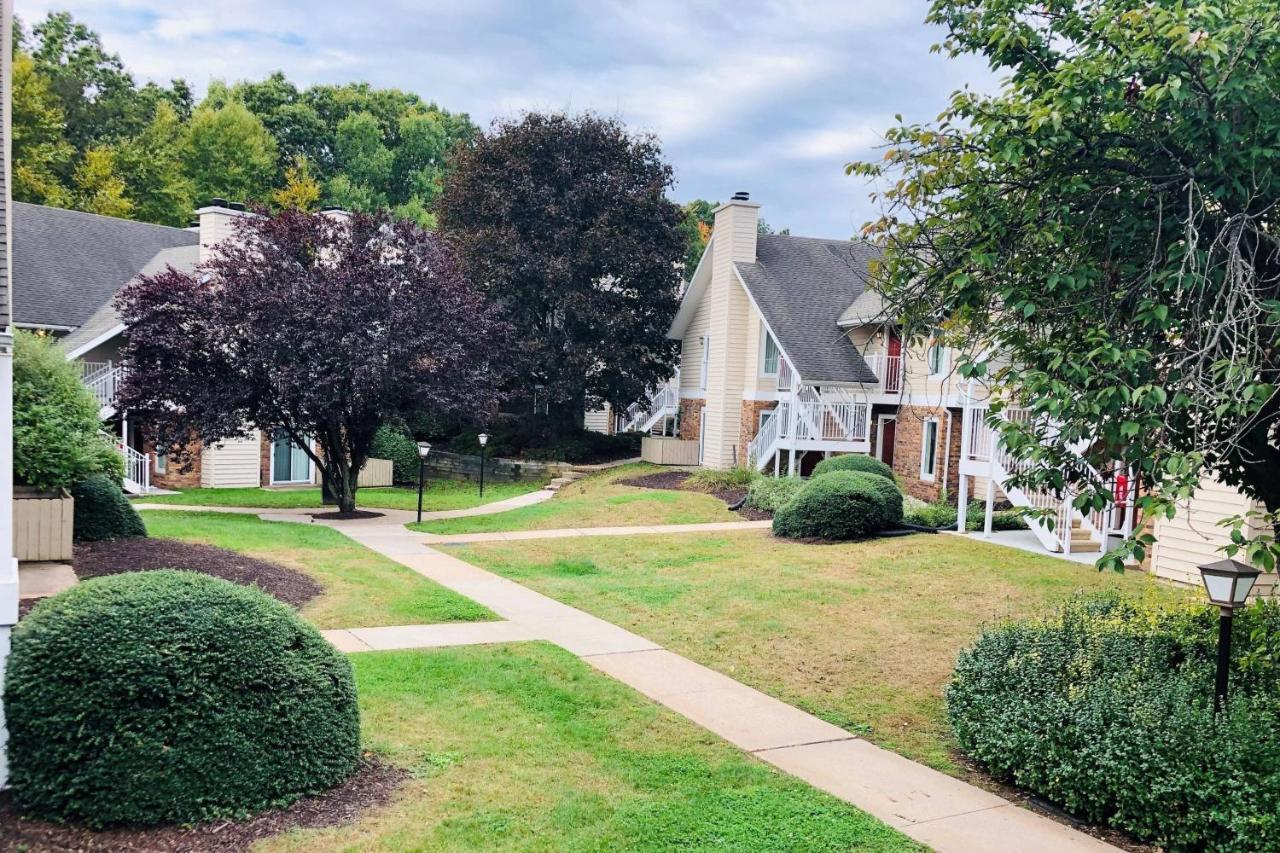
{"x": 565, "y": 222}
{"x": 312, "y": 326}
{"x": 1106, "y": 222}
{"x": 87, "y": 136}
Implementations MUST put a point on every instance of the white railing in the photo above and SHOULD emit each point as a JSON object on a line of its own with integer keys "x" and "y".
{"x": 809, "y": 416}
{"x": 762, "y": 447}
{"x": 102, "y": 384}
{"x": 137, "y": 469}
{"x": 888, "y": 370}
{"x": 661, "y": 403}
{"x": 1115, "y": 519}
{"x": 786, "y": 376}
{"x": 90, "y": 369}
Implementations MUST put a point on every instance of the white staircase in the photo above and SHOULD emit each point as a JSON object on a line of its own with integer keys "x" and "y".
{"x": 809, "y": 419}
{"x": 1060, "y": 528}
{"x": 137, "y": 470}
{"x": 102, "y": 379}
{"x": 660, "y": 405}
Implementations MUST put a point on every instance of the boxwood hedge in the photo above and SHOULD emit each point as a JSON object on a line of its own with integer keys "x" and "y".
{"x": 171, "y": 696}
{"x": 853, "y": 462}
{"x": 840, "y": 505}
{"x": 103, "y": 512}
{"x": 1106, "y": 709}
{"x": 771, "y": 493}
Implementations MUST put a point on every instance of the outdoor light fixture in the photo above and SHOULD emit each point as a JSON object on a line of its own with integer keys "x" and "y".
{"x": 1228, "y": 583}
{"x": 483, "y": 439}
{"x": 424, "y": 447}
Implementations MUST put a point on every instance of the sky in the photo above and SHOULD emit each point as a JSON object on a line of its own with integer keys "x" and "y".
{"x": 768, "y": 97}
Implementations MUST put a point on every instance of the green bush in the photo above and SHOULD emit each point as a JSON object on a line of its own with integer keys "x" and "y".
{"x": 56, "y": 428}
{"x": 840, "y": 505}
{"x": 103, "y": 512}
{"x": 167, "y": 696}
{"x": 771, "y": 493}
{"x": 392, "y": 442}
{"x": 939, "y": 515}
{"x": 1106, "y": 709}
{"x": 717, "y": 480}
{"x": 853, "y": 462}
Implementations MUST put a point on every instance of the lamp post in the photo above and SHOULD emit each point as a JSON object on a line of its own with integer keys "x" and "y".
{"x": 1228, "y": 583}
{"x": 484, "y": 439}
{"x": 424, "y": 447}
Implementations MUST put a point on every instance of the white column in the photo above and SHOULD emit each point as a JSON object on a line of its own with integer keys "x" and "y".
{"x": 8, "y": 564}
{"x": 991, "y": 491}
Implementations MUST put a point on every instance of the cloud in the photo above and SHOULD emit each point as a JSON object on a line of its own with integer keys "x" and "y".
{"x": 765, "y": 95}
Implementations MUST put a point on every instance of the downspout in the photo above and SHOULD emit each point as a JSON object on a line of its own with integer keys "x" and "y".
{"x": 946, "y": 459}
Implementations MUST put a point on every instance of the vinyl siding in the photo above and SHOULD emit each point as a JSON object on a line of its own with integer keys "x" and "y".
{"x": 234, "y": 462}
{"x": 1192, "y": 537}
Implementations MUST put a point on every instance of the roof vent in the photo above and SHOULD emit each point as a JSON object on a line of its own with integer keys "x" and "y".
{"x": 741, "y": 195}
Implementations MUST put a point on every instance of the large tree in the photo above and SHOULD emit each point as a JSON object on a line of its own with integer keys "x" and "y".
{"x": 565, "y": 221}
{"x": 311, "y": 326}
{"x": 1107, "y": 221}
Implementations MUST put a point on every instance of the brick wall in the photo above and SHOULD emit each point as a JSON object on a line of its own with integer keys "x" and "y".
{"x": 173, "y": 478}
{"x": 751, "y": 410}
{"x": 907, "y": 452}
{"x": 691, "y": 419}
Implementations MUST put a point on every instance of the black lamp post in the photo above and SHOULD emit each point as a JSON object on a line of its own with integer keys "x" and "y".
{"x": 424, "y": 447}
{"x": 1228, "y": 583}
{"x": 484, "y": 439}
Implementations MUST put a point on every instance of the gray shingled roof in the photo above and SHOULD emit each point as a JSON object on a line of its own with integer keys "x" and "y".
{"x": 182, "y": 258}
{"x": 802, "y": 286}
{"x": 68, "y": 264}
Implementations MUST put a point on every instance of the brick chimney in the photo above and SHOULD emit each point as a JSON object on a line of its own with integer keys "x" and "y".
{"x": 216, "y": 220}
{"x": 735, "y": 229}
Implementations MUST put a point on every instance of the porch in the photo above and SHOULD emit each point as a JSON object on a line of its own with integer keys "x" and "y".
{"x": 809, "y": 417}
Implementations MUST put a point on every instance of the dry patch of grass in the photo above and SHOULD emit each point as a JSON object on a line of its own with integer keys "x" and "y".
{"x": 596, "y": 501}
{"x": 862, "y": 634}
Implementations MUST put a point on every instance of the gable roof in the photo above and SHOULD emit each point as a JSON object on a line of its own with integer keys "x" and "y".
{"x": 68, "y": 264}
{"x": 802, "y": 286}
{"x": 104, "y": 323}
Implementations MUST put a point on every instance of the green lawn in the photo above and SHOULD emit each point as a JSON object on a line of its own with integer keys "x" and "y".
{"x": 438, "y": 495}
{"x": 362, "y": 589}
{"x": 524, "y": 747}
{"x": 862, "y": 634}
{"x": 596, "y": 501}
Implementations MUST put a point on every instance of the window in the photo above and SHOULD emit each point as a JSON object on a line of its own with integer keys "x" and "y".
{"x": 765, "y": 417}
{"x": 162, "y": 461}
{"x": 289, "y": 461}
{"x": 706, "y": 361}
{"x": 929, "y": 450}
{"x": 768, "y": 353}
{"x": 936, "y": 358}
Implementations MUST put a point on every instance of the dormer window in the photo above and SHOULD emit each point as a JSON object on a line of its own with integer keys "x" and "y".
{"x": 769, "y": 353}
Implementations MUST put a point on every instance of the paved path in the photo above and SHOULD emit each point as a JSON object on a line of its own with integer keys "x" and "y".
{"x": 938, "y": 810}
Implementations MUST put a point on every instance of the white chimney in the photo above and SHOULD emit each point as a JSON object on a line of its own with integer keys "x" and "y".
{"x": 735, "y": 228}
{"x": 216, "y": 223}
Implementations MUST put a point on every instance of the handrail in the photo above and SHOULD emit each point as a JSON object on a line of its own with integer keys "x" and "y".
{"x": 888, "y": 370}
{"x": 103, "y": 384}
{"x": 137, "y": 468}
{"x": 645, "y": 413}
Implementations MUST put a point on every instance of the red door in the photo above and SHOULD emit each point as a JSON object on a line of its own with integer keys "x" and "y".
{"x": 893, "y": 364}
{"x": 888, "y": 431}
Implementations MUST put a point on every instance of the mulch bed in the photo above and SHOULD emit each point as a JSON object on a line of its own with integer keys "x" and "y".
{"x": 96, "y": 559}
{"x": 676, "y": 481}
{"x": 346, "y": 516}
{"x": 371, "y": 786}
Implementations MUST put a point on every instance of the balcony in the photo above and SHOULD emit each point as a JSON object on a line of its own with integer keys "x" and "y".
{"x": 888, "y": 371}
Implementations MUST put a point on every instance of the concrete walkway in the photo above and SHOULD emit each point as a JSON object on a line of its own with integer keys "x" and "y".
{"x": 938, "y": 810}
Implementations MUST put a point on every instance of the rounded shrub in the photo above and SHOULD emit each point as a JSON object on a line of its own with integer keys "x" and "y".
{"x": 171, "y": 696}
{"x": 853, "y": 462}
{"x": 391, "y": 442}
{"x": 103, "y": 512}
{"x": 771, "y": 493}
{"x": 1106, "y": 708}
{"x": 840, "y": 505}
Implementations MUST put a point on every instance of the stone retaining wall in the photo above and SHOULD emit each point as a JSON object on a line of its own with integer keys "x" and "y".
{"x": 442, "y": 464}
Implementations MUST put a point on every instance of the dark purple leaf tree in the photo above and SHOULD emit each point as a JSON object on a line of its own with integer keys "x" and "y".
{"x": 312, "y": 325}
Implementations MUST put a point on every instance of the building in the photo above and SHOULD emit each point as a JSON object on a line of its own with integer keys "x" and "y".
{"x": 70, "y": 266}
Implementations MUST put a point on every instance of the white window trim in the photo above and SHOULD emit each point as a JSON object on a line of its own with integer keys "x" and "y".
{"x": 271, "y": 470}
{"x": 765, "y": 337}
{"x": 161, "y": 461}
{"x": 706, "y": 362}
{"x": 928, "y": 476}
{"x": 943, "y": 359}
{"x": 764, "y": 415}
